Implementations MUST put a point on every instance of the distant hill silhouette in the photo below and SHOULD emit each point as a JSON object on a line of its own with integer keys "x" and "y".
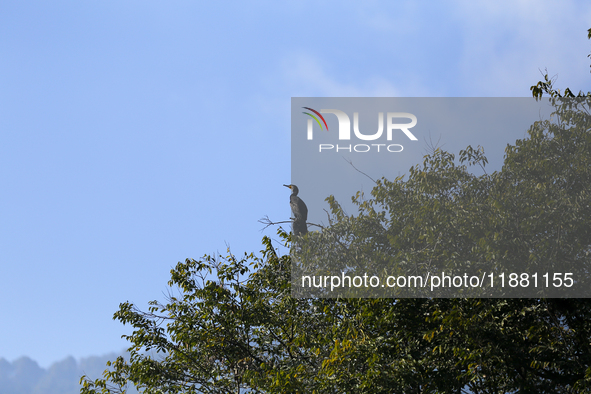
{"x": 25, "y": 376}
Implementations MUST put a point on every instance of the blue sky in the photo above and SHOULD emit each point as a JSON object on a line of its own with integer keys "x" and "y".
{"x": 135, "y": 134}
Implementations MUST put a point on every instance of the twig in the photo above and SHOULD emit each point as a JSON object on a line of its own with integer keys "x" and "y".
{"x": 431, "y": 147}
{"x": 350, "y": 162}
{"x": 328, "y": 216}
{"x": 268, "y": 222}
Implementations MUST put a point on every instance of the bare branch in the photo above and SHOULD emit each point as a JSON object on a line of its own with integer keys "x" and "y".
{"x": 358, "y": 170}
{"x": 432, "y": 147}
{"x": 268, "y": 222}
{"x": 328, "y": 216}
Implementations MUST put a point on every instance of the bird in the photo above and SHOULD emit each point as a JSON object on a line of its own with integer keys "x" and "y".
{"x": 299, "y": 211}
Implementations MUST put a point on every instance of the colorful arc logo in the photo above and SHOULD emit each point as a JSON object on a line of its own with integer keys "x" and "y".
{"x": 315, "y": 118}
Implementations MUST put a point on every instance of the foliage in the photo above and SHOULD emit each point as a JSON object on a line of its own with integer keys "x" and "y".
{"x": 234, "y": 327}
{"x": 547, "y": 86}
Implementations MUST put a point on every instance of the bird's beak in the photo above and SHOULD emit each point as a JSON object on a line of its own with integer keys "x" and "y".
{"x": 287, "y": 186}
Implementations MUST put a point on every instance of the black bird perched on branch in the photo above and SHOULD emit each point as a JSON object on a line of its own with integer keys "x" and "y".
{"x": 299, "y": 211}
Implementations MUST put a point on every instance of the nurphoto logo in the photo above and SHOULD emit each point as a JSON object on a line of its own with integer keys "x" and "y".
{"x": 345, "y": 130}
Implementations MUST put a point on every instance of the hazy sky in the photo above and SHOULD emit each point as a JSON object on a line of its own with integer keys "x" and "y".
{"x": 135, "y": 134}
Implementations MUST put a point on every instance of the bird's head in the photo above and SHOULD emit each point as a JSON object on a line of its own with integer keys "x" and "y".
{"x": 294, "y": 189}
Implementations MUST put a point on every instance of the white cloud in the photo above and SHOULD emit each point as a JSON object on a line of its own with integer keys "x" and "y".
{"x": 467, "y": 48}
{"x": 506, "y": 43}
{"x": 306, "y": 75}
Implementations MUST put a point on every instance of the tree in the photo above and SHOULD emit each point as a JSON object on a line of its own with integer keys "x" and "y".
{"x": 230, "y": 324}
{"x": 547, "y": 86}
